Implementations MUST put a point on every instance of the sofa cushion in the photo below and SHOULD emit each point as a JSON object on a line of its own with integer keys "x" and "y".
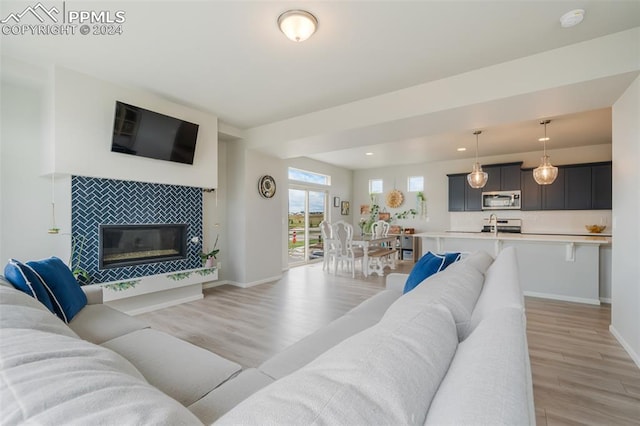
{"x": 99, "y": 323}
{"x": 457, "y": 288}
{"x": 481, "y": 260}
{"x": 375, "y": 306}
{"x": 306, "y": 350}
{"x": 25, "y": 280}
{"x": 501, "y": 287}
{"x": 68, "y": 298}
{"x": 387, "y": 374}
{"x": 428, "y": 265}
{"x": 18, "y": 310}
{"x": 51, "y": 379}
{"x": 229, "y": 394}
{"x": 487, "y": 382}
{"x": 193, "y": 371}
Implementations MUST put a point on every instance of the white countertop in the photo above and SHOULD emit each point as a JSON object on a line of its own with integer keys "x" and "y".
{"x": 579, "y": 239}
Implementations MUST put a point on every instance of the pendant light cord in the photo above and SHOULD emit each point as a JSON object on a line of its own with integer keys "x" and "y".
{"x": 477, "y": 132}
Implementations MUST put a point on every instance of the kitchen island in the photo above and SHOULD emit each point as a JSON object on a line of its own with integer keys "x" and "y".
{"x": 574, "y": 268}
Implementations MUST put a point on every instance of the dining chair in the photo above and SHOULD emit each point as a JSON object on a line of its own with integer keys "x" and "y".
{"x": 346, "y": 255}
{"x": 328, "y": 245}
{"x": 380, "y": 228}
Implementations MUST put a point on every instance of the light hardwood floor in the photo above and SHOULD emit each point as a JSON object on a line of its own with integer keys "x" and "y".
{"x": 581, "y": 375}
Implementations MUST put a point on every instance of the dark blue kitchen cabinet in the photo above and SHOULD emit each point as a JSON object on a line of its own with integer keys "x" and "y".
{"x": 601, "y": 187}
{"x": 456, "y": 192}
{"x": 531, "y": 198}
{"x": 510, "y": 177}
{"x": 553, "y": 196}
{"x": 577, "y": 194}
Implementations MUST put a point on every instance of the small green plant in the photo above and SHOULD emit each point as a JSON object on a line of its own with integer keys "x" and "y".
{"x": 211, "y": 254}
{"x": 80, "y": 274}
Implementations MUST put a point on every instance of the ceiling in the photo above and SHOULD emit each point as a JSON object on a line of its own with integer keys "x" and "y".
{"x": 230, "y": 59}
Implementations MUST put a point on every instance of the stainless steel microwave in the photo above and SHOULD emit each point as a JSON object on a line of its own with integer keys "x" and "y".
{"x": 501, "y": 200}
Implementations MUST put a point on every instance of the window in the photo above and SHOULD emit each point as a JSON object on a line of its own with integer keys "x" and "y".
{"x": 375, "y": 186}
{"x": 415, "y": 184}
{"x": 309, "y": 177}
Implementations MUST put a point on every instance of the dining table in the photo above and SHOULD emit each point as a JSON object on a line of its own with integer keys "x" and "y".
{"x": 367, "y": 241}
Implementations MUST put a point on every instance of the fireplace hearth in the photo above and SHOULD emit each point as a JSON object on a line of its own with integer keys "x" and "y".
{"x": 137, "y": 244}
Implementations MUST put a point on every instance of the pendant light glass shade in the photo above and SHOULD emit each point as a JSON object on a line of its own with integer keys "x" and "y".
{"x": 477, "y": 178}
{"x": 297, "y": 25}
{"x": 545, "y": 173}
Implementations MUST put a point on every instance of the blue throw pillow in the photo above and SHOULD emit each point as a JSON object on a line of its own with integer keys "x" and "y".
{"x": 68, "y": 298}
{"x": 23, "y": 278}
{"x": 428, "y": 265}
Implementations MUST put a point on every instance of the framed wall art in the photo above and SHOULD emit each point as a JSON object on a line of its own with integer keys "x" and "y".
{"x": 344, "y": 208}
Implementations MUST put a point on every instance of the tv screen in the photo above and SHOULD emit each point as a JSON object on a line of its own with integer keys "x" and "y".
{"x": 145, "y": 133}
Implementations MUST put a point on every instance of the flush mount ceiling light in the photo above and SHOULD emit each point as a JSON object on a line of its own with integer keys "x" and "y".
{"x": 545, "y": 173}
{"x": 297, "y": 25}
{"x": 572, "y": 18}
{"x": 477, "y": 178}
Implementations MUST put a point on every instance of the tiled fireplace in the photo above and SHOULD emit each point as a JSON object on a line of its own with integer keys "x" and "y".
{"x": 163, "y": 218}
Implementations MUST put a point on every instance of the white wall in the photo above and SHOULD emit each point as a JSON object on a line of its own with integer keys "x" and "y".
{"x": 25, "y": 206}
{"x": 254, "y": 224}
{"x": 436, "y": 184}
{"x": 625, "y": 315}
{"x": 214, "y": 215}
{"x": 83, "y": 113}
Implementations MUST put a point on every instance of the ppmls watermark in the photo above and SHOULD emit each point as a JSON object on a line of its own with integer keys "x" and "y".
{"x": 38, "y": 20}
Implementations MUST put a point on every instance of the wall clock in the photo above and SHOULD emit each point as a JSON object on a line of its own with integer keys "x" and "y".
{"x": 267, "y": 186}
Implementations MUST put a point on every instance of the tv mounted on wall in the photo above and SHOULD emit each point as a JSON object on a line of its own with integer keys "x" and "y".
{"x": 138, "y": 131}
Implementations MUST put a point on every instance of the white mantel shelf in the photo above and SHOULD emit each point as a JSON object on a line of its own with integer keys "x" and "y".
{"x": 564, "y": 267}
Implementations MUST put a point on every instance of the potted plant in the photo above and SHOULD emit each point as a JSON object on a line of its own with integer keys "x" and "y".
{"x": 209, "y": 257}
{"x": 80, "y": 274}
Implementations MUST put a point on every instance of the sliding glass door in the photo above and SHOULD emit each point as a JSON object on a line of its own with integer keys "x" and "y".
{"x": 307, "y": 208}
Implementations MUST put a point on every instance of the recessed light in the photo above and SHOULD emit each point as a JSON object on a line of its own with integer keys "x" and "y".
{"x": 545, "y": 139}
{"x": 368, "y": 153}
{"x": 572, "y": 18}
{"x": 461, "y": 149}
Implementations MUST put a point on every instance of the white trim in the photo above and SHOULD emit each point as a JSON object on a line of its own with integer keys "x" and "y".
{"x": 212, "y": 284}
{"x": 605, "y": 300}
{"x": 254, "y": 283}
{"x": 164, "y": 305}
{"x": 634, "y": 356}
{"x": 562, "y": 297}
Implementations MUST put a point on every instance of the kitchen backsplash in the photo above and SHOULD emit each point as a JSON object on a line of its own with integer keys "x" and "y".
{"x": 533, "y": 222}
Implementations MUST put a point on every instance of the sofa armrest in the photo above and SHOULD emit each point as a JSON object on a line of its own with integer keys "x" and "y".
{"x": 93, "y": 293}
{"x": 396, "y": 281}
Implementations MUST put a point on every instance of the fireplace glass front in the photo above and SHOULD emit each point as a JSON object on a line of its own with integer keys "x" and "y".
{"x": 127, "y": 245}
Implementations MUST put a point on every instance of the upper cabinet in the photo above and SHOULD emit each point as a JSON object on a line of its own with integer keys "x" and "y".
{"x": 601, "y": 187}
{"x": 577, "y": 187}
{"x": 502, "y": 177}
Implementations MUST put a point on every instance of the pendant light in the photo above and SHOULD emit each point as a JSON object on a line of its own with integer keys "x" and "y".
{"x": 545, "y": 173}
{"x": 477, "y": 178}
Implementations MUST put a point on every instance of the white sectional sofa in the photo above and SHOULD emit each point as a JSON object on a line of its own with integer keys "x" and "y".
{"x": 451, "y": 351}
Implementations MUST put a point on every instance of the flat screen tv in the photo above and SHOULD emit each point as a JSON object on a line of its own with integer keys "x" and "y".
{"x": 138, "y": 131}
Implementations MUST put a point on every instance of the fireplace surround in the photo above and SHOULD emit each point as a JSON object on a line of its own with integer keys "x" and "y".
{"x": 138, "y": 244}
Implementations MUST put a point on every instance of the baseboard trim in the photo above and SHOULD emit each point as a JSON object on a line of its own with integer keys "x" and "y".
{"x": 634, "y": 356}
{"x": 163, "y": 305}
{"x": 255, "y": 283}
{"x": 212, "y": 284}
{"x": 605, "y": 300}
{"x": 563, "y": 298}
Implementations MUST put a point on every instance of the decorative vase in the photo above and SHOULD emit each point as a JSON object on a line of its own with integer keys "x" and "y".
{"x": 209, "y": 263}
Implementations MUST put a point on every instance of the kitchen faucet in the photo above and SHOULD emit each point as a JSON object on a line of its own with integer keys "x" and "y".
{"x": 493, "y": 219}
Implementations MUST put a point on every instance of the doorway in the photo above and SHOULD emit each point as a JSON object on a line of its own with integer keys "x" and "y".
{"x": 307, "y": 208}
